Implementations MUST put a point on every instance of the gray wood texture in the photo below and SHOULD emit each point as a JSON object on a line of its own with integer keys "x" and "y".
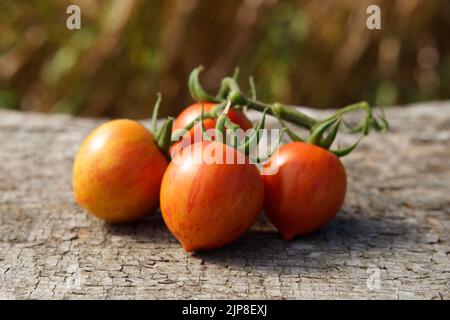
{"x": 390, "y": 240}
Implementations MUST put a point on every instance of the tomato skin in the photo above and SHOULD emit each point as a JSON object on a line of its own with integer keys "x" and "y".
{"x": 118, "y": 171}
{"x": 192, "y": 112}
{"x": 207, "y": 206}
{"x": 306, "y": 192}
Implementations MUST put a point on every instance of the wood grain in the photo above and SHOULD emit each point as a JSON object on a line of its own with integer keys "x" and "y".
{"x": 395, "y": 223}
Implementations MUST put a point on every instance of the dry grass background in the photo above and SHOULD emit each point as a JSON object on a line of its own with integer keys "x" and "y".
{"x": 315, "y": 53}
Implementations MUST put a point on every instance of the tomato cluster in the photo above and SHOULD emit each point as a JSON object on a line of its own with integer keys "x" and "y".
{"x": 122, "y": 172}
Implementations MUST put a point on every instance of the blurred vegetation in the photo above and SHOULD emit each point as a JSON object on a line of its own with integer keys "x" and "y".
{"x": 315, "y": 53}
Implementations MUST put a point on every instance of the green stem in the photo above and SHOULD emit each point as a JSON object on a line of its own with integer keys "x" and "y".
{"x": 163, "y": 137}
{"x": 155, "y": 113}
{"x": 231, "y": 92}
{"x": 196, "y": 89}
{"x": 363, "y": 105}
{"x": 287, "y": 113}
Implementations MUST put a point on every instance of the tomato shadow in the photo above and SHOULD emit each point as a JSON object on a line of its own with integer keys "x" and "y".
{"x": 346, "y": 237}
{"x": 150, "y": 229}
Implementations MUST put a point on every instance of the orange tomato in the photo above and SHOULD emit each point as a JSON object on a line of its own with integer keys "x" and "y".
{"x": 306, "y": 192}
{"x": 192, "y": 112}
{"x": 208, "y": 205}
{"x": 118, "y": 170}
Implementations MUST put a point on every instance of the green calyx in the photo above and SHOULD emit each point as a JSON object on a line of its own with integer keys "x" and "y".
{"x": 163, "y": 134}
{"x": 227, "y": 132}
{"x": 254, "y": 138}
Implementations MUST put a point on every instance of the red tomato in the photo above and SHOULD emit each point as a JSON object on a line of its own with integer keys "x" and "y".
{"x": 118, "y": 170}
{"x": 208, "y": 205}
{"x": 306, "y": 192}
{"x": 192, "y": 112}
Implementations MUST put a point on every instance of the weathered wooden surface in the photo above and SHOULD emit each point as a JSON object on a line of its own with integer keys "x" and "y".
{"x": 395, "y": 224}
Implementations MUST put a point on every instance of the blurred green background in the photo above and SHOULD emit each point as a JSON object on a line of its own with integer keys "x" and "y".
{"x": 310, "y": 52}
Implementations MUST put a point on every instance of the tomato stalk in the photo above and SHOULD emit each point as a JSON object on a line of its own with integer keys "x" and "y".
{"x": 163, "y": 137}
{"x": 250, "y": 141}
{"x": 163, "y": 134}
{"x": 212, "y": 114}
{"x": 238, "y": 99}
{"x": 154, "y": 124}
{"x": 322, "y": 132}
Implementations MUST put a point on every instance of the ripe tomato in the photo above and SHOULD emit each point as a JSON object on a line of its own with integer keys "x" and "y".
{"x": 118, "y": 171}
{"x": 306, "y": 192}
{"x": 192, "y": 112}
{"x": 208, "y": 205}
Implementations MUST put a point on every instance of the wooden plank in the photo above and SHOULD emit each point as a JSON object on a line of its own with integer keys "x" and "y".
{"x": 394, "y": 226}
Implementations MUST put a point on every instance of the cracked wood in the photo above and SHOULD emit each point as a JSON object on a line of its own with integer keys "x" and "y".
{"x": 395, "y": 223}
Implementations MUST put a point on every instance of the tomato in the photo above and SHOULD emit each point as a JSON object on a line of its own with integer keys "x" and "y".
{"x": 306, "y": 192}
{"x": 118, "y": 171}
{"x": 208, "y": 205}
{"x": 192, "y": 112}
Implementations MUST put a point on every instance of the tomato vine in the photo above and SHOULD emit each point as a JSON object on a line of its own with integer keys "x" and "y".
{"x": 321, "y": 132}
